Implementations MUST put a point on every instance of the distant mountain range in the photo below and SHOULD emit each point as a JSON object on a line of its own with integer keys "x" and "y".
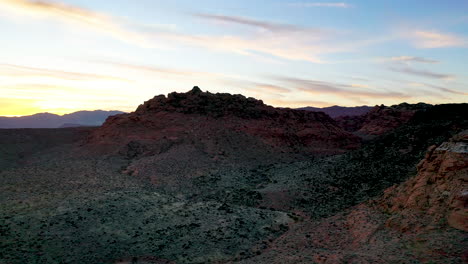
{"x": 47, "y": 120}
{"x": 336, "y": 111}
{"x": 97, "y": 117}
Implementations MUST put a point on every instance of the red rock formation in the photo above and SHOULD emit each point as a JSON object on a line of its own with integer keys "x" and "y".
{"x": 437, "y": 195}
{"x": 170, "y": 140}
{"x": 181, "y": 116}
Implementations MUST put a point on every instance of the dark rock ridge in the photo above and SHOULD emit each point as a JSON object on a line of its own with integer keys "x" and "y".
{"x": 380, "y": 119}
{"x": 220, "y": 105}
{"x": 337, "y": 111}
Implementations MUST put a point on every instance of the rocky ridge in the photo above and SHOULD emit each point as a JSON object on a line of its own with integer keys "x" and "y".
{"x": 379, "y": 120}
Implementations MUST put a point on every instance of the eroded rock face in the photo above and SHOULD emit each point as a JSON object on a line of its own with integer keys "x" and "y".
{"x": 438, "y": 195}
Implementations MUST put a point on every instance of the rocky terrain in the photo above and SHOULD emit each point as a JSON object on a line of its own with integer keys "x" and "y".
{"x": 216, "y": 178}
{"x": 422, "y": 220}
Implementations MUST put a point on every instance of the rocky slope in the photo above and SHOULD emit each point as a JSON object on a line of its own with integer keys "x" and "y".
{"x": 423, "y": 220}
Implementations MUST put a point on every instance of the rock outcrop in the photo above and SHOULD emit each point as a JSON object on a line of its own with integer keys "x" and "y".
{"x": 438, "y": 195}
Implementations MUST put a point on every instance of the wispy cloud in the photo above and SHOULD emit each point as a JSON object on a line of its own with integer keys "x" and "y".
{"x": 265, "y": 25}
{"x": 435, "y": 39}
{"x": 422, "y": 73}
{"x": 271, "y": 88}
{"x": 261, "y": 88}
{"x": 162, "y": 71}
{"x": 280, "y": 40}
{"x": 321, "y": 4}
{"x": 446, "y": 90}
{"x": 359, "y": 85}
{"x": 74, "y": 15}
{"x": 344, "y": 90}
{"x": 11, "y": 70}
{"x": 412, "y": 59}
{"x": 297, "y": 103}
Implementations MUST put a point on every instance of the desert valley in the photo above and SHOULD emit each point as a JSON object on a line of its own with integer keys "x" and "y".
{"x": 202, "y": 177}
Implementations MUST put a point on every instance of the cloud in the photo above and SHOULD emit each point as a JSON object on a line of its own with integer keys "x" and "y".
{"x": 259, "y": 38}
{"x": 422, "y": 73}
{"x": 11, "y": 70}
{"x": 265, "y": 25}
{"x": 230, "y": 80}
{"x": 447, "y": 90}
{"x": 281, "y": 40}
{"x": 73, "y": 15}
{"x": 435, "y": 39}
{"x": 412, "y": 59}
{"x": 322, "y": 4}
{"x": 164, "y": 71}
{"x": 260, "y": 89}
{"x": 343, "y": 90}
{"x": 359, "y": 85}
{"x": 271, "y": 88}
{"x": 415, "y": 84}
{"x": 296, "y": 103}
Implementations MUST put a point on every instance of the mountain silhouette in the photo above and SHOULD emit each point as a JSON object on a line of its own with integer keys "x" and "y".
{"x": 47, "y": 120}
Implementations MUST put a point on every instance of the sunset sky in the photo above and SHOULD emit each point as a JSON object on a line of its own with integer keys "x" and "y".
{"x": 64, "y": 56}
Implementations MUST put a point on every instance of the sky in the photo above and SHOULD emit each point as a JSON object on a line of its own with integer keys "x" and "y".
{"x": 68, "y": 55}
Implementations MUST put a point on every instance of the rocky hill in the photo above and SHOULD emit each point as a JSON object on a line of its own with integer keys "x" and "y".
{"x": 201, "y": 113}
{"x": 184, "y": 135}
